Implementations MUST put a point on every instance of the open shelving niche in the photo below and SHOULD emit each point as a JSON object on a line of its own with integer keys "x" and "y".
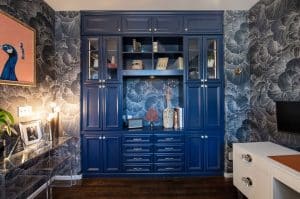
{"x": 146, "y": 87}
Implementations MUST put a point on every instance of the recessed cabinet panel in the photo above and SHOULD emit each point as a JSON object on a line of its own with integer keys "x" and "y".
{"x": 195, "y": 153}
{"x": 168, "y": 24}
{"x": 92, "y": 108}
{"x": 98, "y": 24}
{"x": 214, "y": 150}
{"x": 204, "y": 23}
{"x": 212, "y": 57}
{"x": 194, "y": 58}
{"x": 112, "y": 153}
{"x": 112, "y": 107}
{"x": 194, "y": 107}
{"x": 213, "y": 106}
{"x": 92, "y": 154}
{"x": 112, "y": 66}
{"x": 136, "y": 24}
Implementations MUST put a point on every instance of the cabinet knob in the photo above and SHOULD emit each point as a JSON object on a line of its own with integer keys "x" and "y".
{"x": 150, "y": 29}
{"x": 248, "y": 182}
{"x": 104, "y": 137}
{"x": 205, "y": 136}
{"x": 119, "y": 29}
{"x": 247, "y": 157}
{"x": 202, "y": 136}
{"x": 186, "y": 29}
{"x": 202, "y": 80}
{"x": 202, "y": 86}
{"x": 100, "y": 138}
{"x": 155, "y": 29}
{"x": 205, "y": 86}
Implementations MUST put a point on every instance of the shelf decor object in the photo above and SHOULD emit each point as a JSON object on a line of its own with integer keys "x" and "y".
{"x": 17, "y": 54}
{"x": 151, "y": 116}
{"x": 168, "y": 114}
{"x": 162, "y": 63}
{"x": 137, "y": 65}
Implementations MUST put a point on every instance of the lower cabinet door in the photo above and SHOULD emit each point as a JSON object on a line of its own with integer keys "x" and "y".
{"x": 111, "y": 153}
{"x": 213, "y": 153}
{"x": 194, "y": 153}
{"x": 91, "y": 154}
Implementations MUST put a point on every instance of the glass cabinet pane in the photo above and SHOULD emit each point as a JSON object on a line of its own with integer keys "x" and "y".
{"x": 212, "y": 59}
{"x": 93, "y": 58}
{"x": 111, "y": 53}
{"x": 193, "y": 59}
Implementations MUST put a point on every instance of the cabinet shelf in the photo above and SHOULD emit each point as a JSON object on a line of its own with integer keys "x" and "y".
{"x": 152, "y": 72}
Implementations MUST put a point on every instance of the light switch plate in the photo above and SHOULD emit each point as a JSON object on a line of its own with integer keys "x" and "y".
{"x": 25, "y": 111}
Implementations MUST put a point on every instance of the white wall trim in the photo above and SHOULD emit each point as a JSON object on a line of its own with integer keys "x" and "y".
{"x": 228, "y": 175}
{"x": 73, "y": 177}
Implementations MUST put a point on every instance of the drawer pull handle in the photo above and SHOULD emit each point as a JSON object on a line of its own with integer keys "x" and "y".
{"x": 137, "y": 169}
{"x": 248, "y": 182}
{"x": 169, "y": 139}
{"x": 137, "y": 149}
{"x": 169, "y": 148}
{"x": 169, "y": 158}
{"x": 137, "y": 158}
{"x": 169, "y": 168}
{"x": 137, "y": 139}
{"x": 247, "y": 157}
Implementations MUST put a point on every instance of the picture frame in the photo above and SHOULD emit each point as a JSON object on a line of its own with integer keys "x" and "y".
{"x": 31, "y": 132}
{"x": 17, "y": 53}
{"x": 162, "y": 63}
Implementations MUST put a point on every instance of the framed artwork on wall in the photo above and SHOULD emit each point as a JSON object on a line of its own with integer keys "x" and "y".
{"x": 17, "y": 52}
{"x": 31, "y": 132}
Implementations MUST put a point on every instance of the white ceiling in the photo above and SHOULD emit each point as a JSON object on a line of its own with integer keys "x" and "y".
{"x": 75, "y": 5}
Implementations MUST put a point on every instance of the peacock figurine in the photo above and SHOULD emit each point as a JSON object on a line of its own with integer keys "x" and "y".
{"x": 8, "y": 72}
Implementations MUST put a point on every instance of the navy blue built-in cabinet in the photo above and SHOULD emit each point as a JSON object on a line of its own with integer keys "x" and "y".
{"x": 122, "y": 46}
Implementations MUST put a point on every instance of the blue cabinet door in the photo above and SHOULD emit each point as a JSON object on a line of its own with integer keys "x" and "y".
{"x": 213, "y": 153}
{"x": 92, "y": 107}
{"x": 195, "y": 153}
{"x": 167, "y": 24}
{"x": 99, "y": 24}
{"x": 111, "y": 153}
{"x": 112, "y": 118}
{"x": 91, "y": 154}
{"x": 213, "y": 107}
{"x": 194, "y": 106}
{"x": 137, "y": 24}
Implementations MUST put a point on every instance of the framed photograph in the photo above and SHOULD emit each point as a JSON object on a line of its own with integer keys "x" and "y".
{"x": 31, "y": 132}
{"x": 17, "y": 52}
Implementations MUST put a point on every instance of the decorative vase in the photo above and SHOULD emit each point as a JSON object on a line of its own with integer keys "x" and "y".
{"x": 168, "y": 116}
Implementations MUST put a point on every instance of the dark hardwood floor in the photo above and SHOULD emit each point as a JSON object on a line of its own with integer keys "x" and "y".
{"x": 149, "y": 188}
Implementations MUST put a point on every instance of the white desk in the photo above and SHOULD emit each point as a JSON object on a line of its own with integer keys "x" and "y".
{"x": 259, "y": 177}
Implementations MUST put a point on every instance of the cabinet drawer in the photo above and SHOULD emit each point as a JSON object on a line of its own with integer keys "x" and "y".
{"x": 136, "y": 139}
{"x": 97, "y": 24}
{"x": 169, "y": 148}
{"x": 168, "y": 158}
{"x": 137, "y": 148}
{"x": 168, "y": 138}
{"x": 168, "y": 168}
{"x": 137, "y": 168}
{"x": 137, "y": 158}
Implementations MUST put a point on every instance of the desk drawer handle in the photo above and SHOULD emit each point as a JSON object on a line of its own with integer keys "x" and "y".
{"x": 137, "y": 149}
{"x": 137, "y": 139}
{"x": 248, "y": 182}
{"x": 137, "y": 158}
{"x": 169, "y": 139}
{"x": 169, "y": 158}
{"x": 137, "y": 169}
{"x": 247, "y": 157}
{"x": 169, "y": 168}
{"x": 169, "y": 148}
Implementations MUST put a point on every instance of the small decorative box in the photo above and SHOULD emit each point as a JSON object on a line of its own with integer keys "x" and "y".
{"x": 135, "y": 123}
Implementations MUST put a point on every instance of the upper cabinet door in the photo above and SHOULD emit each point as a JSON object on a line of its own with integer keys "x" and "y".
{"x": 111, "y": 67}
{"x": 98, "y": 24}
{"x": 167, "y": 24}
{"x": 206, "y": 23}
{"x": 137, "y": 24}
{"x": 194, "y": 58}
{"x": 213, "y": 58}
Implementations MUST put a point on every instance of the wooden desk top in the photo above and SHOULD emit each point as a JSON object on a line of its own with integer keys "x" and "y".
{"x": 292, "y": 161}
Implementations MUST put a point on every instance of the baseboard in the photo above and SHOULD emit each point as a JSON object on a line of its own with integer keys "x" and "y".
{"x": 58, "y": 178}
{"x": 73, "y": 177}
{"x": 228, "y": 175}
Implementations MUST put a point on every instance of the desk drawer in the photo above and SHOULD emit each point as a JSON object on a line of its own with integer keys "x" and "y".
{"x": 168, "y": 168}
{"x": 137, "y": 158}
{"x": 138, "y": 168}
{"x": 162, "y": 158}
{"x": 169, "y": 148}
{"x": 137, "y": 148}
{"x": 128, "y": 139}
{"x": 168, "y": 138}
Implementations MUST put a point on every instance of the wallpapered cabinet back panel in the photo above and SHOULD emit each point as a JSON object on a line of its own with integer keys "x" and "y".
{"x": 130, "y": 60}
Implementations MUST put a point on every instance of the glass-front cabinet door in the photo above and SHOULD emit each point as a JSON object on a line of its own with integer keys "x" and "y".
{"x": 212, "y": 57}
{"x": 101, "y": 59}
{"x": 111, "y": 57}
{"x": 93, "y": 58}
{"x": 194, "y": 58}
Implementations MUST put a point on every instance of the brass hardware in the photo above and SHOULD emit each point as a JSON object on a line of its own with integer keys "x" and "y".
{"x": 248, "y": 182}
{"x": 247, "y": 157}
{"x": 237, "y": 71}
